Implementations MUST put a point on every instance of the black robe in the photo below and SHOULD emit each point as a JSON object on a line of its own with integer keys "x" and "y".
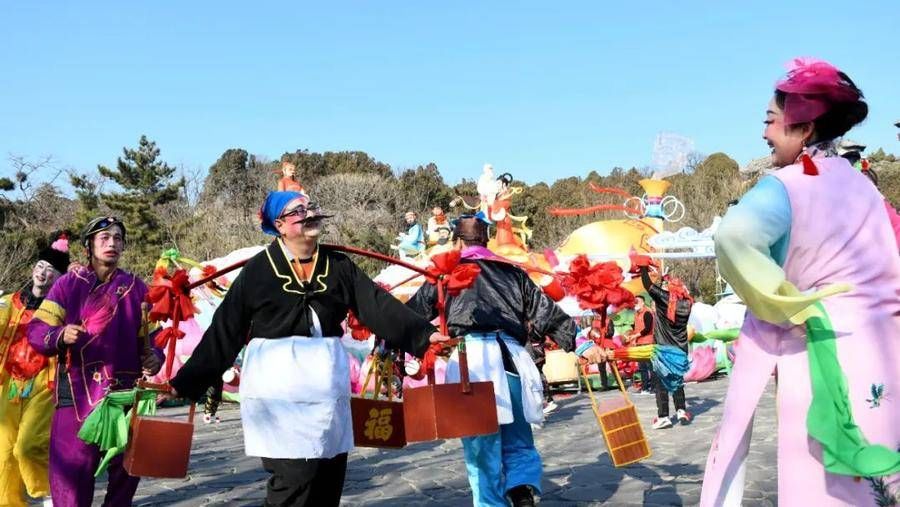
{"x": 503, "y": 298}
{"x": 267, "y": 300}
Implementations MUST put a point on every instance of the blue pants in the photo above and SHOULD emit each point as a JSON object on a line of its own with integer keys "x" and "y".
{"x": 499, "y": 462}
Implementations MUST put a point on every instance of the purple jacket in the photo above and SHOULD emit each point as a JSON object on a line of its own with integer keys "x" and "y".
{"x": 110, "y": 356}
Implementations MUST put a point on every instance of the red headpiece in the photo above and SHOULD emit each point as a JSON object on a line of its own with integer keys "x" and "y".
{"x": 677, "y": 292}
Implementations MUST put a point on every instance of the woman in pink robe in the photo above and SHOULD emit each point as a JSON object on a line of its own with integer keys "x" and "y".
{"x": 812, "y": 245}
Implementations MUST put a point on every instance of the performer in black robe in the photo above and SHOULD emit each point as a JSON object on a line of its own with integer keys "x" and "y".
{"x": 289, "y": 302}
{"x": 498, "y": 315}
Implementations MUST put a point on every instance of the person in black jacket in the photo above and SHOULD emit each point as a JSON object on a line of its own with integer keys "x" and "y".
{"x": 673, "y": 308}
{"x": 291, "y": 299}
{"x": 497, "y": 316}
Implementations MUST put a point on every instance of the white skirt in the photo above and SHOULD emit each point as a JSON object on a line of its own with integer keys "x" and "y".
{"x": 485, "y": 359}
{"x": 295, "y": 398}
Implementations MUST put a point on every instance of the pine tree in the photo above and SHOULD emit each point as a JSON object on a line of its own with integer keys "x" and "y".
{"x": 88, "y": 197}
{"x": 147, "y": 183}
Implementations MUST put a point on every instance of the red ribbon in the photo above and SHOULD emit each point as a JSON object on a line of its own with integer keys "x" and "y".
{"x": 169, "y": 296}
{"x": 677, "y": 292}
{"x": 448, "y": 270}
{"x": 169, "y": 334}
{"x": 358, "y": 331}
{"x": 170, "y": 299}
{"x": 431, "y": 355}
{"x": 450, "y": 277}
{"x": 596, "y": 286}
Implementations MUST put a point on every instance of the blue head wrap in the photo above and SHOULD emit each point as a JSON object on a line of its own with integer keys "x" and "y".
{"x": 274, "y": 206}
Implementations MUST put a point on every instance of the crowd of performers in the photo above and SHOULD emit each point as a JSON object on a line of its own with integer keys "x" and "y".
{"x": 823, "y": 298}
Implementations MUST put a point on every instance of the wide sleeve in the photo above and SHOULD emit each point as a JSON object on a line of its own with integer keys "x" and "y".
{"x": 423, "y": 301}
{"x": 220, "y": 344}
{"x": 46, "y": 327}
{"x": 386, "y": 316}
{"x": 547, "y": 319}
{"x": 748, "y": 239}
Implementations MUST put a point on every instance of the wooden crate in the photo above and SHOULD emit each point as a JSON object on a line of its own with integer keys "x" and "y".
{"x": 620, "y": 425}
{"x": 622, "y": 431}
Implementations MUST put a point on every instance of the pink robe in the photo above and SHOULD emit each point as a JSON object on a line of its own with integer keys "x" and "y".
{"x": 839, "y": 234}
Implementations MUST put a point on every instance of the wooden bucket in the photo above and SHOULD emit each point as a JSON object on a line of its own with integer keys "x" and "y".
{"x": 378, "y": 423}
{"x": 438, "y": 411}
{"x": 159, "y": 446}
{"x": 620, "y": 425}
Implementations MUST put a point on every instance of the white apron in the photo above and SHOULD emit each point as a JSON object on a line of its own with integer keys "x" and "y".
{"x": 485, "y": 359}
{"x": 295, "y": 398}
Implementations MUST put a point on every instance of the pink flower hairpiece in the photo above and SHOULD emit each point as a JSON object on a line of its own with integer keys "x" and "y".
{"x": 61, "y": 244}
{"x": 811, "y": 87}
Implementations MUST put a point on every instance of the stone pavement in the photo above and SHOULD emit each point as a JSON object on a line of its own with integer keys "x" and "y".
{"x": 577, "y": 470}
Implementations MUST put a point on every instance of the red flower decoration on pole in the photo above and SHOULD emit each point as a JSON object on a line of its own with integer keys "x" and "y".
{"x": 596, "y": 286}
{"x": 450, "y": 276}
{"x": 170, "y": 299}
{"x": 446, "y": 270}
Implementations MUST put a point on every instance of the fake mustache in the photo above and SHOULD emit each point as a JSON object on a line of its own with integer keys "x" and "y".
{"x": 312, "y": 219}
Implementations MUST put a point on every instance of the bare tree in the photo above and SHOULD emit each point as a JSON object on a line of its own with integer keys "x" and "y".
{"x": 13, "y": 265}
{"x": 24, "y": 169}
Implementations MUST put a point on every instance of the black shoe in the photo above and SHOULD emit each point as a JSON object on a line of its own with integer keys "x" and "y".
{"x": 521, "y": 496}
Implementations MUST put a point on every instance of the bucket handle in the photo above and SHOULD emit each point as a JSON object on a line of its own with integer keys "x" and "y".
{"x": 143, "y": 385}
{"x": 619, "y": 383}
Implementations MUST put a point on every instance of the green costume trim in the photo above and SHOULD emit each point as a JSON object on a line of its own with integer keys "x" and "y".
{"x": 830, "y": 422}
{"x": 107, "y": 426}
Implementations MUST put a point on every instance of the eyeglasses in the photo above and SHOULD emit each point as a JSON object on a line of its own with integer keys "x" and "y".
{"x": 301, "y": 211}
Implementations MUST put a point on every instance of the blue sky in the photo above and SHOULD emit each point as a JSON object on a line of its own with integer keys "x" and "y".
{"x": 540, "y": 89}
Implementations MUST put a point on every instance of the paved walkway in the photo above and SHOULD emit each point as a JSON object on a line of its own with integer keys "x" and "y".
{"x": 577, "y": 470}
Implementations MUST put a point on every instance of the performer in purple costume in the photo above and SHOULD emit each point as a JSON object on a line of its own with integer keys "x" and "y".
{"x": 93, "y": 321}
